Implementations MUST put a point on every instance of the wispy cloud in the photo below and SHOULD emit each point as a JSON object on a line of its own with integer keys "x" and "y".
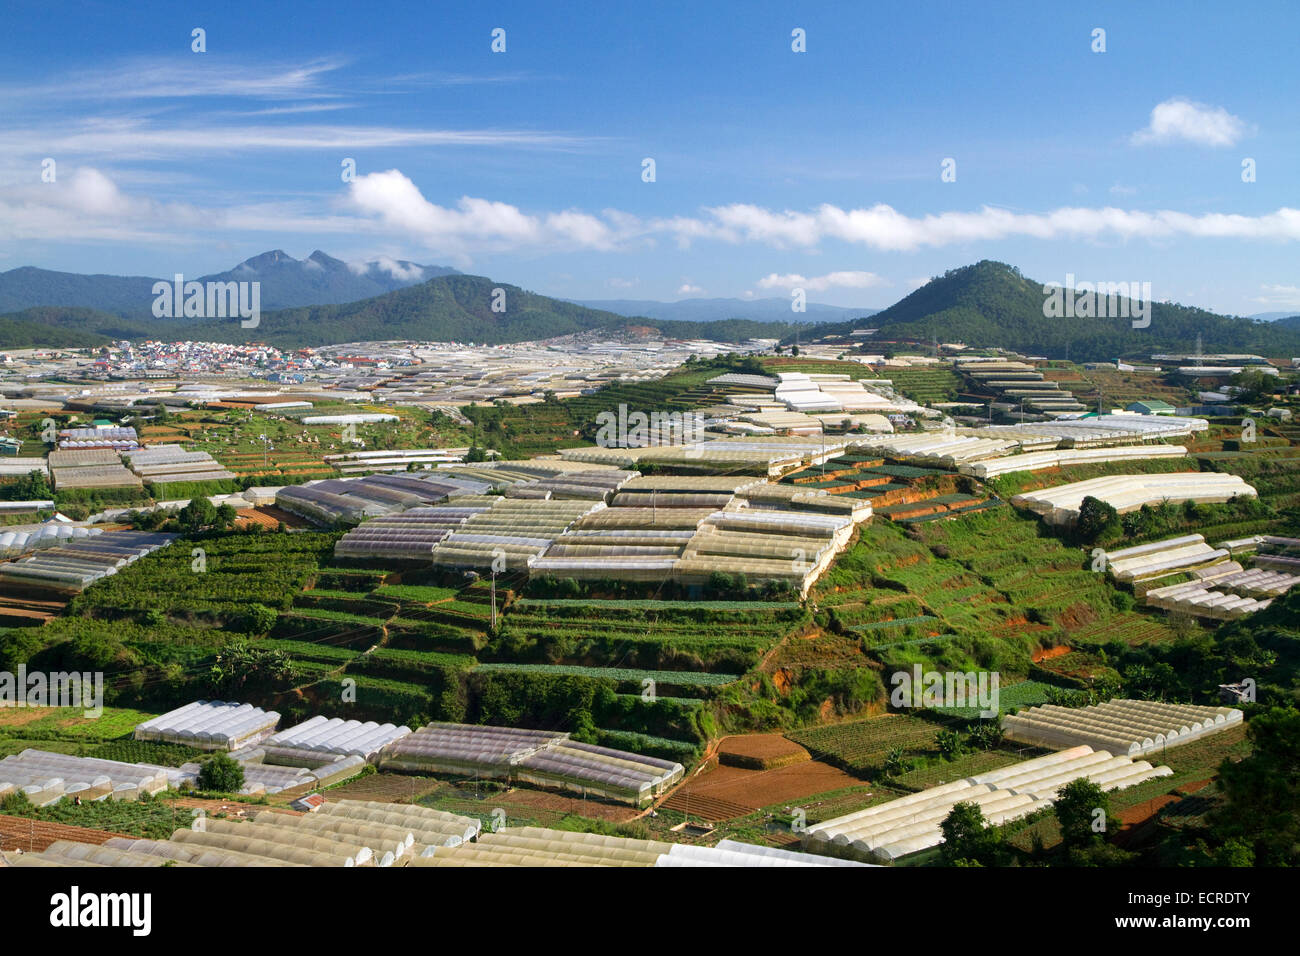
{"x": 687, "y": 289}
{"x": 123, "y": 139}
{"x": 193, "y": 76}
{"x": 832, "y": 280}
{"x": 1181, "y": 120}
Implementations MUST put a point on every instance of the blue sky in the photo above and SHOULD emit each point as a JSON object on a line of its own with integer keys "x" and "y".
{"x": 774, "y": 169}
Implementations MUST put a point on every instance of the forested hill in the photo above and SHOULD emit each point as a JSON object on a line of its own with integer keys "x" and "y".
{"x": 991, "y": 304}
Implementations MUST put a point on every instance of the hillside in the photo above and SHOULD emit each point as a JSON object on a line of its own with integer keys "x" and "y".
{"x": 991, "y": 304}
{"x": 445, "y": 309}
{"x": 286, "y": 282}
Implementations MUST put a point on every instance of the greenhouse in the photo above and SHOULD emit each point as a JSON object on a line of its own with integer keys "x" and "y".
{"x": 119, "y": 439}
{"x": 49, "y": 777}
{"x": 887, "y": 831}
{"x": 510, "y": 534}
{"x": 71, "y": 558}
{"x": 1200, "y": 599}
{"x": 1160, "y": 558}
{"x": 90, "y": 468}
{"x": 1125, "y": 727}
{"x": 945, "y": 449}
{"x": 425, "y": 826}
{"x": 210, "y": 725}
{"x": 541, "y": 758}
{"x": 333, "y": 736}
{"x": 1042, "y": 460}
{"x": 1124, "y": 493}
{"x": 544, "y": 847}
{"x": 1092, "y": 431}
{"x": 172, "y": 463}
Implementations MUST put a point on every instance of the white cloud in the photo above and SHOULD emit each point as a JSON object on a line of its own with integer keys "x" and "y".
{"x": 687, "y": 289}
{"x": 1118, "y": 190}
{"x": 89, "y": 203}
{"x": 1181, "y": 120}
{"x": 618, "y": 283}
{"x": 388, "y": 264}
{"x": 832, "y": 280}
{"x": 1287, "y": 296}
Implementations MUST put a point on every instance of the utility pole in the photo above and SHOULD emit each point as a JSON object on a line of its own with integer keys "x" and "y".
{"x": 494, "y": 600}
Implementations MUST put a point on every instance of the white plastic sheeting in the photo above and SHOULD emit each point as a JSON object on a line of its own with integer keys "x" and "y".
{"x": 1124, "y": 493}
{"x": 335, "y": 736}
{"x": 210, "y": 725}
{"x": 1127, "y": 727}
{"x": 897, "y": 828}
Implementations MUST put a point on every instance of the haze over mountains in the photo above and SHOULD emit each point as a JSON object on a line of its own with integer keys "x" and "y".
{"x": 286, "y": 282}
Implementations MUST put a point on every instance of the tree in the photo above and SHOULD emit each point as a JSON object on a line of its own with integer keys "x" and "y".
{"x": 1077, "y": 805}
{"x": 967, "y": 837}
{"x": 226, "y": 516}
{"x": 1263, "y": 791}
{"x": 33, "y": 486}
{"x": 259, "y": 619}
{"x": 1254, "y": 385}
{"x": 1098, "y": 521}
{"x": 198, "y": 515}
{"x": 221, "y": 773}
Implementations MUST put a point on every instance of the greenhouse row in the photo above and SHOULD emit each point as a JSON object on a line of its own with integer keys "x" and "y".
{"x": 1277, "y": 553}
{"x": 887, "y": 831}
{"x": 338, "y": 737}
{"x": 350, "y": 833}
{"x": 538, "y": 757}
{"x": 508, "y": 535}
{"x": 351, "y": 500}
{"x": 1127, "y": 727}
{"x": 90, "y": 468}
{"x": 945, "y": 449}
{"x": 744, "y": 455}
{"x": 210, "y": 725}
{"x": 1197, "y": 599}
{"x": 47, "y": 777}
{"x": 79, "y": 560}
{"x": 1124, "y": 493}
{"x": 115, "y": 438}
{"x": 1160, "y": 558}
{"x": 408, "y": 536}
{"x": 544, "y": 847}
{"x": 172, "y": 463}
{"x": 48, "y": 535}
{"x": 1042, "y": 460}
{"x": 1092, "y": 431}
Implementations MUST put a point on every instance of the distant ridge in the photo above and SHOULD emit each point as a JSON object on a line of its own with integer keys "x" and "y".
{"x": 286, "y": 282}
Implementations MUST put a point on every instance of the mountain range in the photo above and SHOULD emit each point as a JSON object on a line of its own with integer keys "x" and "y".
{"x": 988, "y": 304}
{"x": 287, "y": 282}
